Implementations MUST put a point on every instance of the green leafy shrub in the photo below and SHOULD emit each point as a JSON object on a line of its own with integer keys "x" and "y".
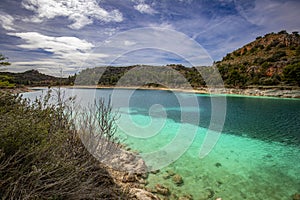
{"x": 291, "y": 73}
{"x": 268, "y": 48}
{"x": 298, "y": 51}
{"x": 6, "y": 84}
{"x": 268, "y": 81}
{"x": 276, "y": 56}
{"x": 258, "y": 61}
{"x": 266, "y": 65}
{"x": 253, "y": 49}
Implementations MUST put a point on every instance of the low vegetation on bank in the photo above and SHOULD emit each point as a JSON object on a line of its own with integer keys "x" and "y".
{"x": 42, "y": 156}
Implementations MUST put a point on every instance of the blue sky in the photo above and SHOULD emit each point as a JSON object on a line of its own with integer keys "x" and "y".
{"x": 50, "y": 35}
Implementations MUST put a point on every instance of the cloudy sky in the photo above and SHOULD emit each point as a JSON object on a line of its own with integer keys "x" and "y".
{"x": 50, "y": 35}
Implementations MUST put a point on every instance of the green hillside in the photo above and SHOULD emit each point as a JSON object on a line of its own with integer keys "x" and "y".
{"x": 141, "y": 75}
{"x": 273, "y": 59}
{"x": 31, "y": 78}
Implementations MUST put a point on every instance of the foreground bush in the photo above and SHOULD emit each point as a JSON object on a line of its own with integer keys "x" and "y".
{"x": 41, "y": 156}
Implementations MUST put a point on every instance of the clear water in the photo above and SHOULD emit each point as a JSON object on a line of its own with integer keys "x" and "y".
{"x": 256, "y": 157}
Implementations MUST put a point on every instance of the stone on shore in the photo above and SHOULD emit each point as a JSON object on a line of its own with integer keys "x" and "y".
{"x": 129, "y": 177}
{"x": 141, "y": 194}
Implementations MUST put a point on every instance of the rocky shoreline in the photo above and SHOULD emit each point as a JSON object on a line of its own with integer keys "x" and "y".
{"x": 279, "y": 93}
{"x": 16, "y": 90}
{"x": 130, "y": 172}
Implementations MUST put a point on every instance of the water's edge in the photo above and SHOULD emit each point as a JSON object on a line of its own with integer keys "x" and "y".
{"x": 252, "y": 92}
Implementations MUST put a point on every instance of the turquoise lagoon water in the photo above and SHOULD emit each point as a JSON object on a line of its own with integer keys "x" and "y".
{"x": 256, "y": 157}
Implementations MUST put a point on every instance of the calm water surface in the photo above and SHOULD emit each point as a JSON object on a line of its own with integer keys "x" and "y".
{"x": 256, "y": 157}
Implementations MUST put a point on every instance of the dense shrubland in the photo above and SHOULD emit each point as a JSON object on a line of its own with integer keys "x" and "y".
{"x": 272, "y": 60}
{"x": 42, "y": 156}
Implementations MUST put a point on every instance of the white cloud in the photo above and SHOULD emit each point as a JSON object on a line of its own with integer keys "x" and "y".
{"x": 46, "y": 66}
{"x": 164, "y": 25}
{"x": 7, "y": 21}
{"x": 186, "y": 1}
{"x": 129, "y": 43}
{"x": 144, "y": 8}
{"x": 64, "y": 52}
{"x": 110, "y": 31}
{"x": 155, "y": 46}
{"x": 80, "y": 12}
{"x": 56, "y": 45}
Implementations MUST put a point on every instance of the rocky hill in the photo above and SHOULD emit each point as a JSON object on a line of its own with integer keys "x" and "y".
{"x": 31, "y": 78}
{"x": 273, "y": 59}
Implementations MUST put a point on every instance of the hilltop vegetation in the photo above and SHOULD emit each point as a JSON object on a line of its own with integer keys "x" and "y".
{"x": 31, "y": 78}
{"x": 141, "y": 75}
{"x": 270, "y": 60}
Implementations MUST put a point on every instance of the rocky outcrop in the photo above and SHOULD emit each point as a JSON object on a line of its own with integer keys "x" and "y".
{"x": 121, "y": 160}
{"x": 258, "y": 92}
{"x": 129, "y": 177}
{"x": 141, "y": 194}
{"x": 130, "y": 172}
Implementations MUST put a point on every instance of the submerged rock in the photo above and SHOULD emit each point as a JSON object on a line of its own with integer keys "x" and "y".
{"x": 296, "y": 196}
{"x": 218, "y": 164}
{"x": 186, "y": 197}
{"x": 170, "y": 172}
{"x": 219, "y": 183}
{"x": 160, "y": 189}
{"x": 155, "y": 171}
{"x": 166, "y": 176}
{"x": 206, "y": 194}
{"x": 177, "y": 179}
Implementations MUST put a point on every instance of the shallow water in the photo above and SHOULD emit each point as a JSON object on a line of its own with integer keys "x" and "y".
{"x": 256, "y": 157}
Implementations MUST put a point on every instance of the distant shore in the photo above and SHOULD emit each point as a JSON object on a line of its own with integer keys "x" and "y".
{"x": 263, "y": 92}
{"x": 16, "y": 90}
